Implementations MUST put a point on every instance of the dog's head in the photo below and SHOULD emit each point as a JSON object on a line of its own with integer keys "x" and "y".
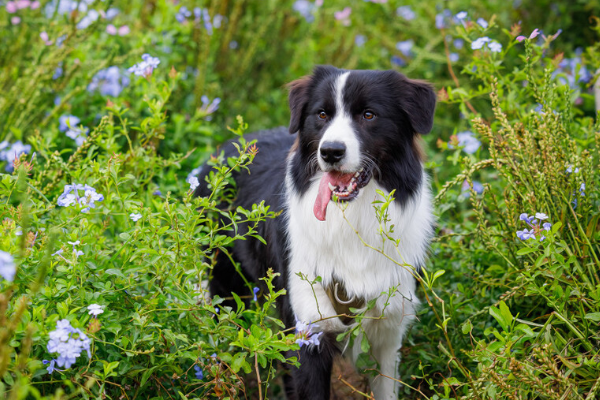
{"x": 359, "y": 126}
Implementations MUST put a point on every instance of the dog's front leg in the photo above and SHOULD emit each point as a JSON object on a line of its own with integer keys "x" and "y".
{"x": 311, "y": 304}
{"x": 385, "y": 350}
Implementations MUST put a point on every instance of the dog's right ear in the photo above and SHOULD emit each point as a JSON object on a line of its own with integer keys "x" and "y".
{"x": 298, "y": 99}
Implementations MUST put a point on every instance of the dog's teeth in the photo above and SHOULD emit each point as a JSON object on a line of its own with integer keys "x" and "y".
{"x": 331, "y": 187}
{"x": 357, "y": 174}
{"x": 361, "y": 170}
{"x": 350, "y": 189}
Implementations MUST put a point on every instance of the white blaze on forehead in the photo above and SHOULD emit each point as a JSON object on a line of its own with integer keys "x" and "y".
{"x": 341, "y": 130}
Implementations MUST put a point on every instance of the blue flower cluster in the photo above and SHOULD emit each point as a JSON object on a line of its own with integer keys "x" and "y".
{"x": 71, "y": 196}
{"x": 10, "y": 152}
{"x": 109, "y": 81}
{"x": 306, "y": 9}
{"x": 534, "y": 223}
{"x": 305, "y": 334}
{"x": 146, "y": 67}
{"x": 406, "y": 12}
{"x": 7, "y": 266}
{"x": 201, "y": 14}
{"x": 68, "y": 124}
{"x": 480, "y": 43}
{"x": 69, "y": 343}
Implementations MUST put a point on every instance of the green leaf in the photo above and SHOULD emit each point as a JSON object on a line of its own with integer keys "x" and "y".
{"x": 593, "y": 316}
{"x": 238, "y": 361}
{"x": 364, "y": 344}
{"x": 525, "y": 250}
{"x": 506, "y": 315}
{"x": 495, "y": 312}
{"x": 467, "y": 327}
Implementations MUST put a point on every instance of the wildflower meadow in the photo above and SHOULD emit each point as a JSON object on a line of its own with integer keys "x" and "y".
{"x": 108, "y": 110}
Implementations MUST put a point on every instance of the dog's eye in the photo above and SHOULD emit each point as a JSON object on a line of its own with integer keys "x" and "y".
{"x": 368, "y": 115}
{"x": 322, "y": 114}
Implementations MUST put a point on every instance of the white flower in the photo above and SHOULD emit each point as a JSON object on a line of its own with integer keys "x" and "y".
{"x": 194, "y": 183}
{"x": 495, "y": 47}
{"x": 95, "y": 309}
{"x": 134, "y": 217}
{"x": 479, "y": 43}
{"x": 7, "y": 266}
{"x": 541, "y": 216}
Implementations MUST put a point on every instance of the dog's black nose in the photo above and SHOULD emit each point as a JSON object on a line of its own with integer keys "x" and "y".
{"x": 332, "y": 152}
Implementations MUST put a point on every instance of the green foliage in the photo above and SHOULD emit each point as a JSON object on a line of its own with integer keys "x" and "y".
{"x": 502, "y": 317}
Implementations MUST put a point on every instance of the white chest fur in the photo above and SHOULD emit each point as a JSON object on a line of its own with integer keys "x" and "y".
{"x": 333, "y": 249}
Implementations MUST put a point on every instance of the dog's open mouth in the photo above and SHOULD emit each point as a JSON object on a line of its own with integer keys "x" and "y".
{"x": 345, "y": 186}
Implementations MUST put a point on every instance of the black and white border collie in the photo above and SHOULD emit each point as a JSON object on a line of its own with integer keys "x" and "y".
{"x": 355, "y": 132}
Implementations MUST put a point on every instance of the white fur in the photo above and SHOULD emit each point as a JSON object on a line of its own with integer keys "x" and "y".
{"x": 332, "y": 248}
{"x": 340, "y": 130}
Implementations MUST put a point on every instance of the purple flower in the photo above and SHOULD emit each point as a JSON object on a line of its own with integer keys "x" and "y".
{"x": 477, "y": 187}
{"x": 209, "y": 107}
{"x": 482, "y": 22}
{"x": 255, "y": 290}
{"x": 525, "y": 234}
{"x": 406, "y": 12}
{"x": 50, "y": 368}
{"x": 454, "y": 57}
{"x": 183, "y": 14}
{"x": 78, "y": 135}
{"x": 582, "y": 189}
{"x": 305, "y": 334}
{"x": 526, "y": 218}
{"x": 145, "y": 67}
{"x": 405, "y": 47}
{"x": 398, "y": 61}
{"x": 532, "y": 36}
{"x": 109, "y": 81}
{"x": 90, "y": 18}
{"x": 460, "y": 16}
{"x": 469, "y": 143}
{"x": 439, "y": 21}
{"x": 71, "y": 196}
{"x": 343, "y": 16}
{"x": 305, "y": 8}
{"x": 66, "y": 122}
{"x": 570, "y": 167}
{"x": 360, "y": 40}
{"x": 547, "y": 226}
{"x": 198, "y": 374}
{"x": 7, "y": 266}
{"x": 75, "y": 251}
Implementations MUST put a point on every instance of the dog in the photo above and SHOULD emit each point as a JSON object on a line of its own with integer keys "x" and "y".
{"x": 352, "y": 133}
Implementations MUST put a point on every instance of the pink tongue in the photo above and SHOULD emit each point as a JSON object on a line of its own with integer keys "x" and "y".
{"x": 324, "y": 195}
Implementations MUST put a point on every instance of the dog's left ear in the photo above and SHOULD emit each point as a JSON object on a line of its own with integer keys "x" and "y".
{"x": 417, "y": 100}
{"x": 298, "y": 98}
